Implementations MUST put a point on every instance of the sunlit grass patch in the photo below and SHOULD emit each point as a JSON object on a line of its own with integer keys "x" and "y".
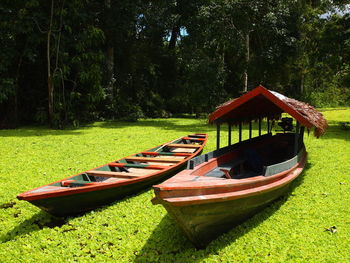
{"x": 296, "y": 228}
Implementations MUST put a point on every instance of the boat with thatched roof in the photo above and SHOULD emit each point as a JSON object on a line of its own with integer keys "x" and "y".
{"x": 221, "y": 189}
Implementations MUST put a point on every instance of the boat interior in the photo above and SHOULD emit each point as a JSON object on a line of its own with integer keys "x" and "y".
{"x": 252, "y": 161}
{"x": 263, "y": 155}
{"x": 141, "y": 164}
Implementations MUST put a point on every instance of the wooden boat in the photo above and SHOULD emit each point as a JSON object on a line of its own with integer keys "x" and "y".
{"x": 221, "y": 189}
{"x": 112, "y": 181}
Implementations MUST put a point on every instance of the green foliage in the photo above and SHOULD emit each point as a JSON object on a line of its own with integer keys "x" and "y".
{"x": 330, "y": 96}
{"x": 165, "y": 57}
{"x": 292, "y": 229}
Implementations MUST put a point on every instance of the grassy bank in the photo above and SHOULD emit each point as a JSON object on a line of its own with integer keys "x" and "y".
{"x": 293, "y": 229}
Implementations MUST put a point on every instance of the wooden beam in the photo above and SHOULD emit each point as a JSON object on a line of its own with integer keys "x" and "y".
{"x": 153, "y": 159}
{"x": 193, "y": 139}
{"x": 268, "y": 125}
{"x": 250, "y": 129}
{"x": 240, "y": 131}
{"x": 167, "y": 154}
{"x": 229, "y": 133}
{"x": 141, "y": 166}
{"x": 113, "y": 174}
{"x": 217, "y": 136}
{"x": 296, "y": 138}
{"x": 259, "y": 126}
{"x": 182, "y": 145}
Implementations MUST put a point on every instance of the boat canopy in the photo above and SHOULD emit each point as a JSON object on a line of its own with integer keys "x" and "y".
{"x": 263, "y": 103}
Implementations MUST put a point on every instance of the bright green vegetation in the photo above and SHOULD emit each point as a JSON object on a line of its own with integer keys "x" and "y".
{"x": 290, "y": 230}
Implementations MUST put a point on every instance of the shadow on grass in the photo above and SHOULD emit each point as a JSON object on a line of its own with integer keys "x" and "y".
{"x": 198, "y": 125}
{"x": 37, "y": 132}
{"x": 37, "y": 222}
{"x": 336, "y": 131}
{"x": 42, "y": 219}
{"x": 167, "y": 242}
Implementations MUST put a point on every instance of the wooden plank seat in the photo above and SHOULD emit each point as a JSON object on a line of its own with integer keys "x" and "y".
{"x": 113, "y": 174}
{"x": 182, "y": 145}
{"x": 167, "y": 153}
{"x": 193, "y": 139}
{"x": 198, "y": 135}
{"x": 223, "y": 169}
{"x": 134, "y": 165}
{"x": 153, "y": 159}
{"x": 72, "y": 183}
{"x": 183, "y": 150}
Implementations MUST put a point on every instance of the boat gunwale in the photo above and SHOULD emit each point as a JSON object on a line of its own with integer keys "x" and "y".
{"x": 30, "y": 196}
{"x": 278, "y": 180}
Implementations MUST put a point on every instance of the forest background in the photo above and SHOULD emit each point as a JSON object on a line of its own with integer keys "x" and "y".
{"x": 69, "y": 62}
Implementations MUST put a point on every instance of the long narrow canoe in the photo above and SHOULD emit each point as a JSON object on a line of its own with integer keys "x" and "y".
{"x": 115, "y": 180}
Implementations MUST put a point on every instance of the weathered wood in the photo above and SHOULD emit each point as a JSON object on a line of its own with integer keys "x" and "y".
{"x": 167, "y": 153}
{"x": 180, "y": 145}
{"x": 183, "y": 150}
{"x": 134, "y": 165}
{"x": 217, "y": 136}
{"x": 112, "y": 174}
{"x": 296, "y": 139}
{"x": 153, "y": 159}
{"x": 194, "y": 139}
{"x": 261, "y": 102}
{"x": 206, "y": 206}
{"x": 110, "y": 182}
{"x": 229, "y": 134}
{"x": 240, "y": 132}
{"x": 250, "y": 129}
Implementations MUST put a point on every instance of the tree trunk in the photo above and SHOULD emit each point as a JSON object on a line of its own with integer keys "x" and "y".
{"x": 50, "y": 84}
{"x": 109, "y": 53}
{"x": 174, "y": 34}
{"x": 110, "y": 71}
{"x": 245, "y": 88}
{"x": 15, "y": 102}
{"x": 302, "y": 84}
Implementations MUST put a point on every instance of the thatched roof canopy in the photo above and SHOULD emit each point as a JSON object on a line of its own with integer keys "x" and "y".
{"x": 263, "y": 103}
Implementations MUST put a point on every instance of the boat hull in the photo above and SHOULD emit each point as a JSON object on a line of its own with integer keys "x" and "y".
{"x": 205, "y": 222}
{"x": 205, "y": 207}
{"x": 69, "y": 205}
{"x": 113, "y": 181}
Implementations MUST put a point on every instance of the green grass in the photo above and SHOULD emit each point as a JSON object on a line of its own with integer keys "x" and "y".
{"x": 290, "y": 230}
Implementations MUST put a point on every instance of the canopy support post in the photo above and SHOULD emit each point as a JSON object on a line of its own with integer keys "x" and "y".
{"x": 301, "y": 137}
{"x": 268, "y": 125}
{"x": 259, "y": 126}
{"x": 240, "y": 131}
{"x": 229, "y": 133}
{"x": 217, "y": 136}
{"x": 296, "y": 139}
{"x": 250, "y": 129}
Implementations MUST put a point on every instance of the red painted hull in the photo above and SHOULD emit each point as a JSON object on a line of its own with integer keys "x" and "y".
{"x": 113, "y": 181}
{"x": 205, "y": 207}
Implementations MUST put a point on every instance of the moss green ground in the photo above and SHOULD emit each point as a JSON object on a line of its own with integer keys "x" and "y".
{"x": 293, "y": 229}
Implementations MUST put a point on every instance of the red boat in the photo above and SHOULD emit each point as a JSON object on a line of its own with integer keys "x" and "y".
{"x": 223, "y": 188}
{"x": 115, "y": 180}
